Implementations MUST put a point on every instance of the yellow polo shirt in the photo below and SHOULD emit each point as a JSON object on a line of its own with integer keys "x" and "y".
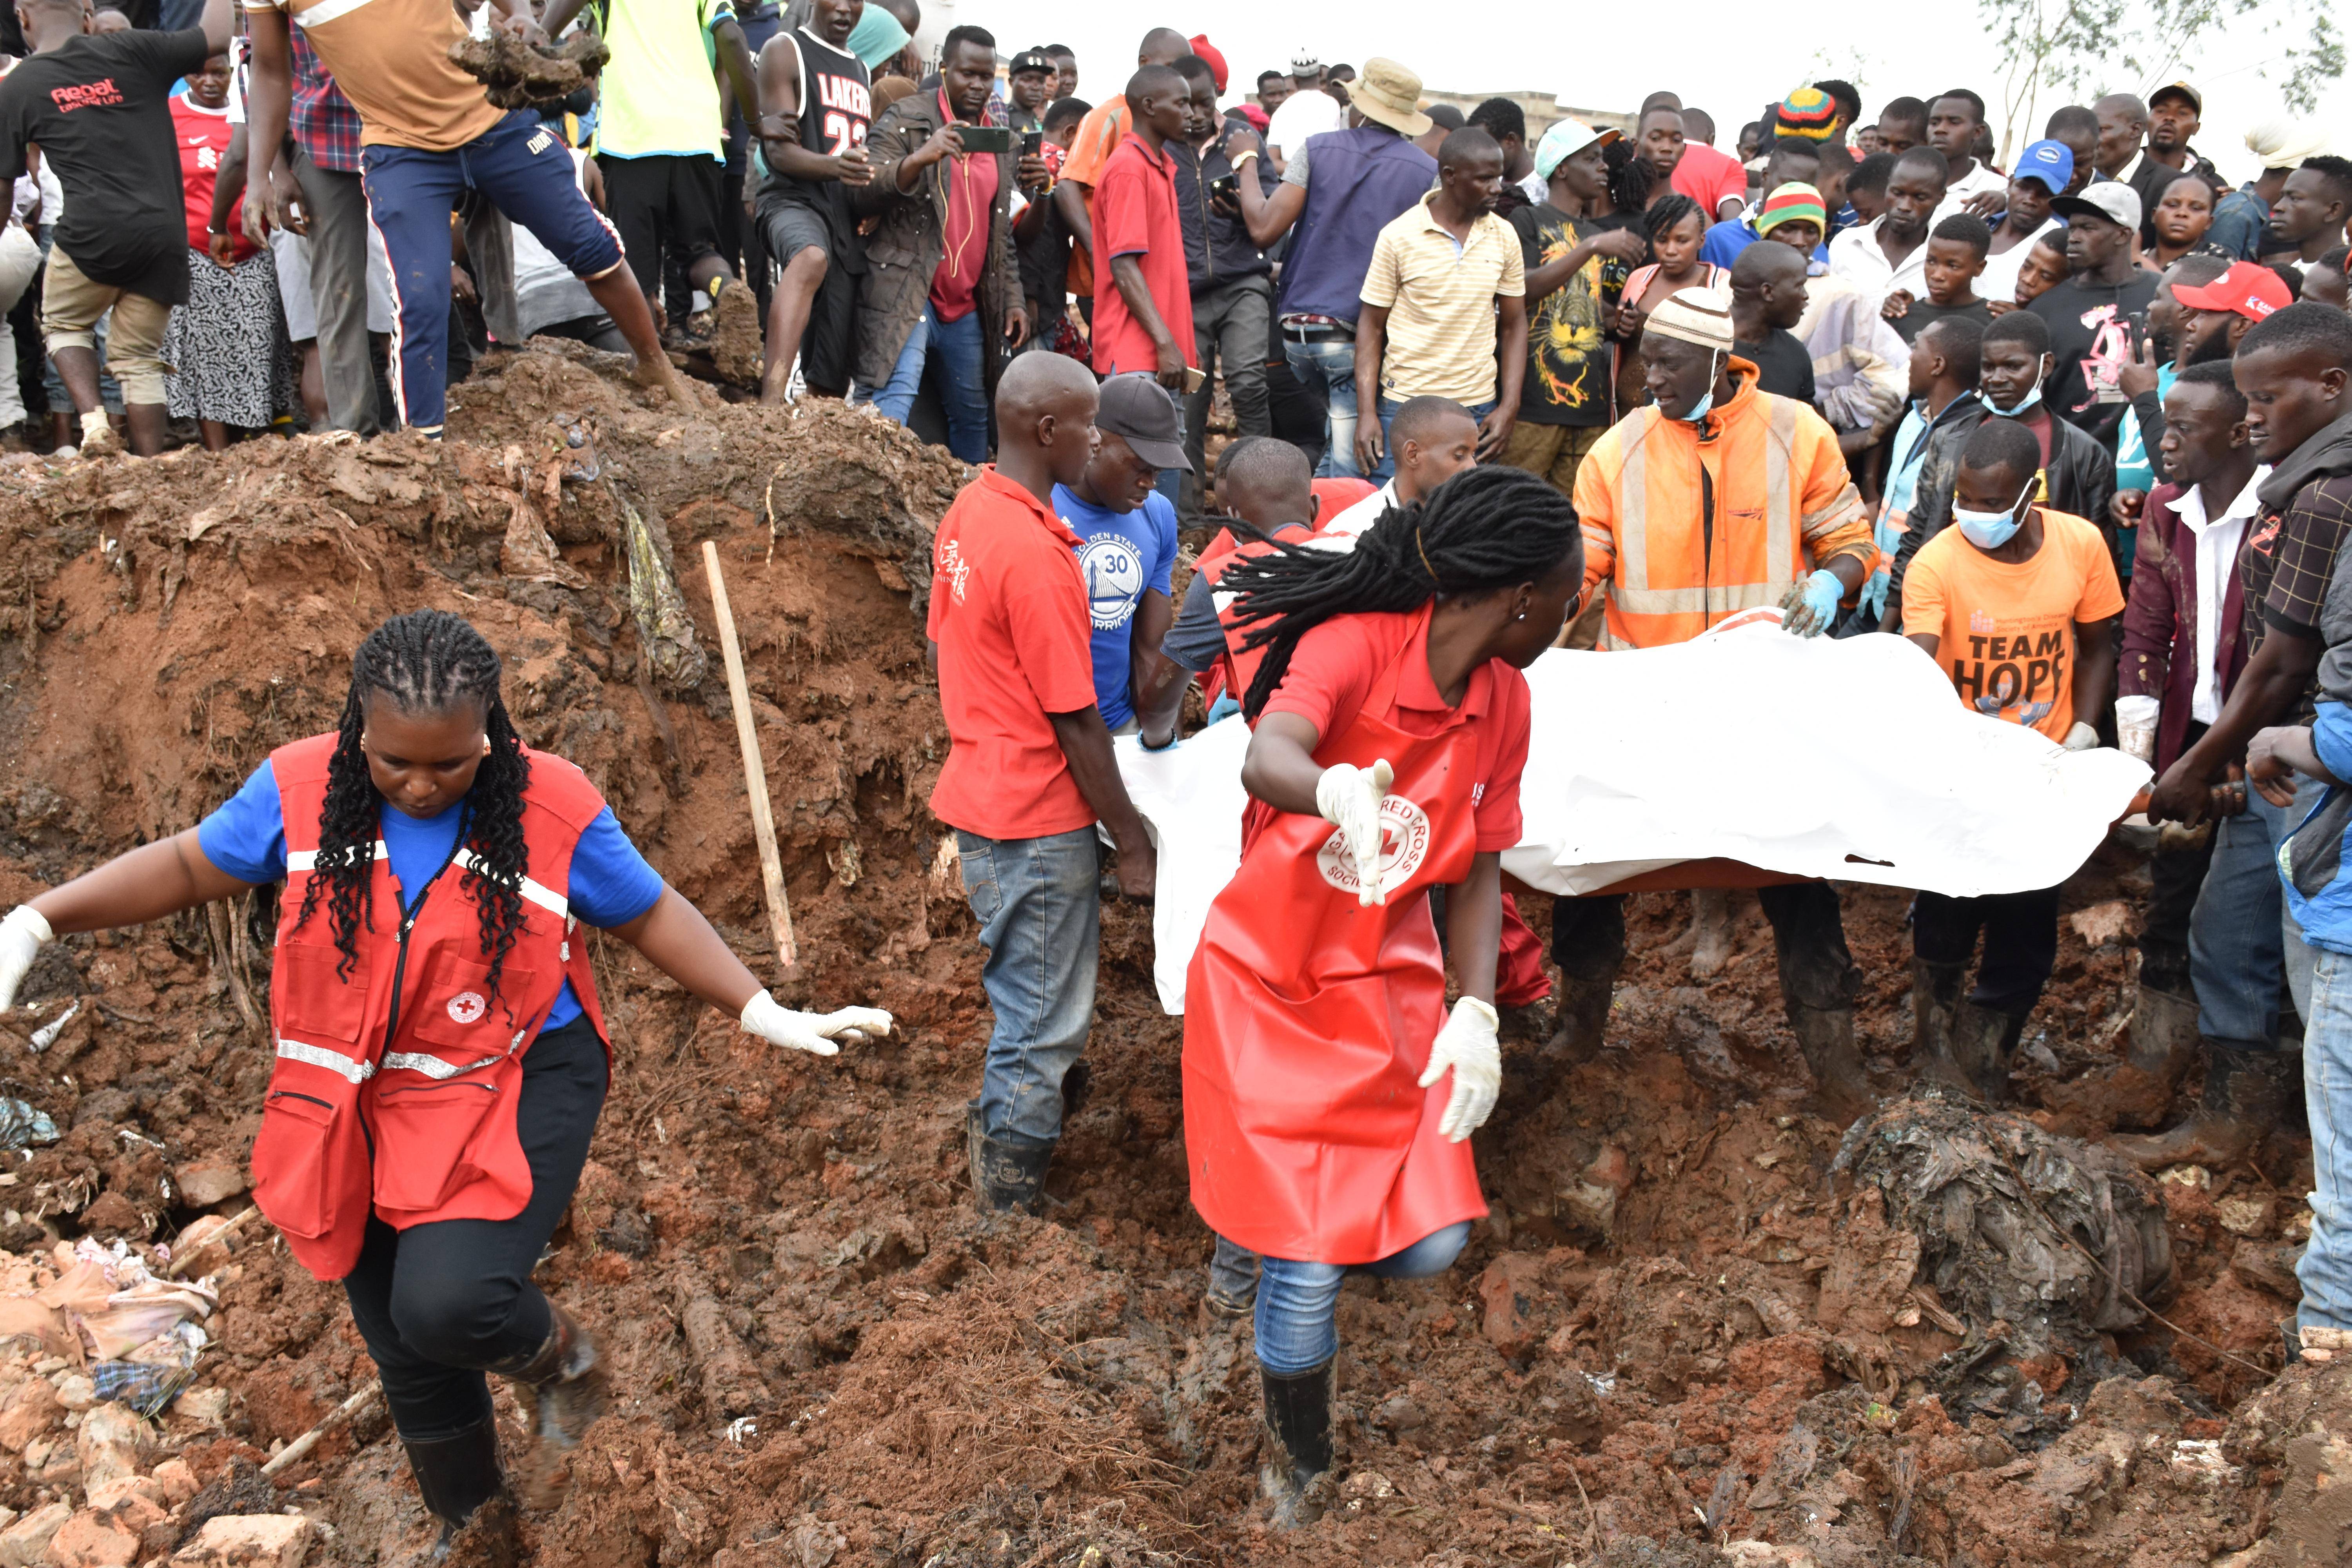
{"x": 1440, "y": 304}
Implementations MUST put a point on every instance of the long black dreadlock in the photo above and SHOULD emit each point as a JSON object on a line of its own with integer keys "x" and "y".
{"x": 1483, "y": 530}
{"x": 1630, "y": 177}
{"x": 427, "y": 661}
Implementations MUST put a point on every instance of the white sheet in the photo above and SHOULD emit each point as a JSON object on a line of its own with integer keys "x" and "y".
{"x": 1848, "y": 759}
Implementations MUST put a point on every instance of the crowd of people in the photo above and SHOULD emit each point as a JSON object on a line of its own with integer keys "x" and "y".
{"x": 2076, "y": 428}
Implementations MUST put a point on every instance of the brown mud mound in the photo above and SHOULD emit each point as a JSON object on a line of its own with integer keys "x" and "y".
{"x": 1680, "y": 1338}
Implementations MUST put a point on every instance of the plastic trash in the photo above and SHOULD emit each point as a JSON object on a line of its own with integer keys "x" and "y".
{"x": 22, "y": 1126}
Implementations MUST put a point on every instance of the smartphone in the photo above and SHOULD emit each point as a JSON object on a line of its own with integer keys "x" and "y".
{"x": 2138, "y": 322}
{"x": 1226, "y": 187}
{"x": 986, "y": 137}
{"x": 1033, "y": 143}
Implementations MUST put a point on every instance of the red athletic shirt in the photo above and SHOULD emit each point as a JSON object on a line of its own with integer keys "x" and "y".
{"x": 203, "y": 136}
{"x": 1134, "y": 211}
{"x": 1008, "y": 613}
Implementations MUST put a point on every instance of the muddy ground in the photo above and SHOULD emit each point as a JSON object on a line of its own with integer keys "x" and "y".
{"x": 1681, "y": 1333}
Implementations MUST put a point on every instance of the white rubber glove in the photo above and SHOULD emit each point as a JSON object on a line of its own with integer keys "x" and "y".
{"x": 1467, "y": 1046}
{"x": 2135, "y": 721}
{"x": 816, "y": 1033}
{"x": 1350, "y": 799}
{"x": 2082, "y": 737}
{"x": 21, "y": 936}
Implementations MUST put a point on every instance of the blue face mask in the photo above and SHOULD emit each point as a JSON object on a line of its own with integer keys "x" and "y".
{"x": 2024, "y": 403}
{"x": 1706, "y": 399}
{"x": 1991, "y": 530}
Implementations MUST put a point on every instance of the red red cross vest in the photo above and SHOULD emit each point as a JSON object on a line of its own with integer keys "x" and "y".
{"x": 395, "y": 1087}
{"x": 1236, "y": 667}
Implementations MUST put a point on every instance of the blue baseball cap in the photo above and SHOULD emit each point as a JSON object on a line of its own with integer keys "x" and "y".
{"x": 2048, "y": 161}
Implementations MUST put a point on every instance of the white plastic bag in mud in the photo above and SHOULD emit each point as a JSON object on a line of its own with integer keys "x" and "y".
{"x": 1845, "y": 759}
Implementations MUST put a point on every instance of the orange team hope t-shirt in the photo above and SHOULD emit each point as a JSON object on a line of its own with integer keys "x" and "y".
{"x": 2006, "y": 633}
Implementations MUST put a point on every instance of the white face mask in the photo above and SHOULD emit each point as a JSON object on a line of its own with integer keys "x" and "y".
{"x": 1991, "y": 530}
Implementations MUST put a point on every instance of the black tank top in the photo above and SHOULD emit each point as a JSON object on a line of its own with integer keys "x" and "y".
{"x": 836, "y": 97}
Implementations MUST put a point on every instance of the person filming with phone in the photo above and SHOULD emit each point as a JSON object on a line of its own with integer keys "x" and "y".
{"x": 943, "y": 179}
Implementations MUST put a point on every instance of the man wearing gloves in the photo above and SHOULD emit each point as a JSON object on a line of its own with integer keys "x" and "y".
{"x": 1719, "y": 498}
{"x": 2016, "y": 603}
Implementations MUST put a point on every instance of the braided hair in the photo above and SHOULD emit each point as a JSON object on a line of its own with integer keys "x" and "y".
{"x": 426, "y": 662}
{"x": 1631, "y": 177}
{"x": 1672, "y": 208}
{"x": 1484, "y": 530}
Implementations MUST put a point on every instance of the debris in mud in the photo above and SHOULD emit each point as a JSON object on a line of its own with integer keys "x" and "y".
{"x": 521, "y": 75}
{"x": 2041, "y": 1242}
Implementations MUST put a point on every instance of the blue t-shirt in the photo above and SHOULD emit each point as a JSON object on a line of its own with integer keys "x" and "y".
{"x": 611, "y": 883}
{"x": 1125, "y": 555}
{"x": 2325, "y": 916}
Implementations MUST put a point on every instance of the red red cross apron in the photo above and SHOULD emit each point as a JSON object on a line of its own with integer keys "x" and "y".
{"x": 1308, "y": 1018}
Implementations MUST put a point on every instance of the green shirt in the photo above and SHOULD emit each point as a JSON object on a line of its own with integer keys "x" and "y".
{"x": 659, "y": 94}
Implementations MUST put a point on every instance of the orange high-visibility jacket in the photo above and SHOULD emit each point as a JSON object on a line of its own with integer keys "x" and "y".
{"x": 1689, "y": 524}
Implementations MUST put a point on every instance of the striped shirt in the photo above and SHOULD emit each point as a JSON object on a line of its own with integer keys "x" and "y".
{"x": 1440, "y": 296}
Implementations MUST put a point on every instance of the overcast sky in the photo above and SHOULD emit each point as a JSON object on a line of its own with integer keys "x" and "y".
{"x": 1591, "y": 54}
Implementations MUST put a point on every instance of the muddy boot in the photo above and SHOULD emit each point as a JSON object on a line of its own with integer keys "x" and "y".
{"x": 1583, "y": 1017}
{"x": 1934, "y": 994}
{"x": 1711, "y": 921}
{"x": 465, "y": 1492}
{"x": 1233, "y": 1283}
{"x": 565, "y": 1380}
{"x": 1983, "y": 1045}
{"x": 1826, "y": 1036}
{"x": 1005, "y": 1176}
{"x": 735, "y": 332}
{"x": 1298, "y": 1431}
{"x": 2249, "y": 1095}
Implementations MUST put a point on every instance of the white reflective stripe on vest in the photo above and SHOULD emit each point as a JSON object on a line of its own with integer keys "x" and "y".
{"x": 433, "y": 1066}
{"x": 307, "y": 860}
{"x": 321, "y": 1057}
{"x": 544, "y": 897}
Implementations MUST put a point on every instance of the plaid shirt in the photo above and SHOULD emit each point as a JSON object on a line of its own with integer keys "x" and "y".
{"x": 2287, "y": 561}
{"x": 321, "y": 118}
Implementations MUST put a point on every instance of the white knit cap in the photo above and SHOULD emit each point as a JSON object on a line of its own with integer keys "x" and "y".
{"x": 2284, "y": 144}
{"x": 1701, "y": 316}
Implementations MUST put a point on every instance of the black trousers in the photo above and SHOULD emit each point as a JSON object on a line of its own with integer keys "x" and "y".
{"x": 442, "y": 1303}
{"x": 2020, "y": 942}
{"x": 2176, "y": 873}
{"x": 1817, "y": 971}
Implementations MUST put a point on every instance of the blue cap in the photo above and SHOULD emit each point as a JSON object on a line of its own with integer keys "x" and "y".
{"x": 2048, "y": 161}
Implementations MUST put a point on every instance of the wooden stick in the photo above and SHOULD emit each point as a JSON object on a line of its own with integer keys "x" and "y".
{"x": 293, "y": 1451}
{"x": 755, "y": 776}
{"x": 180, "y": 1262}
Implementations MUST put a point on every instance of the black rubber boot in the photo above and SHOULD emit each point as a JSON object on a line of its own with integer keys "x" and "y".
{"x": 1825, "y": 1034}
{"x": 2163, "y": 1033}
{"x": 566, "y": 1380}
{"x": 1934, "y": 994}
{"x": 1298, "y": 1431}
{"x": 463, "y": 1488}
{"x": 1984, "y": 1044}
{"x": 2250, "y": 1092}
{"x": 1005, "y": 1176}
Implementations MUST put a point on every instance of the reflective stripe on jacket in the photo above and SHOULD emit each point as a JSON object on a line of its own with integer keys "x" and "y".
{"x": 1687, "y": 525}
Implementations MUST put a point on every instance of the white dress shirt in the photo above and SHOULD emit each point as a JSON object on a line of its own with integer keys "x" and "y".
{"x": 1855, "y": 257}
{"x": 2218, "y": 538}
{"x": 1982, "y": 177}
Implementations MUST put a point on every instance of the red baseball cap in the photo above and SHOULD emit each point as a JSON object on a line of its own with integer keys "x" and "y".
{"x": 2249, "y": 288}
{"x": 1216, "y": 56}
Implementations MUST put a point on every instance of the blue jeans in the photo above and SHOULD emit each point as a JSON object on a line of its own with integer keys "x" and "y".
{"x": 963, "y": 385}
{"x": 1389, "y": 407}
{"x": 2241, "y": 939}
{"x": 1329, "y": 363}
{"x": 526, "y": 172}
{"x": 1296, "y": 1303}
{"x": 1039, "y": 903}
{"x": 2326, "y": 1271}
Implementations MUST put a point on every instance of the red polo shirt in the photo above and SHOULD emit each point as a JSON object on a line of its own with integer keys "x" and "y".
{"x": 1134, "y": 211}
{"x": 1008, "y": 612}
